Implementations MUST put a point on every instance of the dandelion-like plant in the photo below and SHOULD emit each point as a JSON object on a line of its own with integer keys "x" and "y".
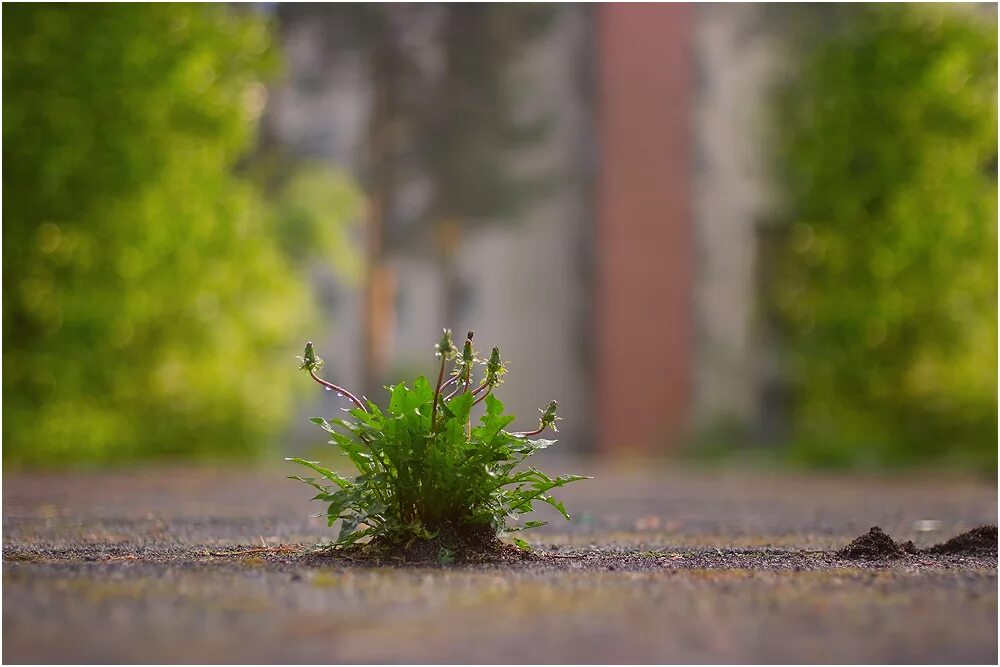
{"x": 426, "y": 465}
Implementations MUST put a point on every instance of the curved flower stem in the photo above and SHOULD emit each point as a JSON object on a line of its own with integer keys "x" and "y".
{"x": 340, "y": 390}
{"x": 529, "y": 434}
{"x": 479, "y": 389}
{"x": 453, "y": 392}
{"x": 483, "y": 397}
{"x": 465, "y": 381}
{"x": 452, "y": 380}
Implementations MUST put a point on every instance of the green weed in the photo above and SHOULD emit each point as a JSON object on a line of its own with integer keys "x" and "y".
{"x": 425, "y": 467}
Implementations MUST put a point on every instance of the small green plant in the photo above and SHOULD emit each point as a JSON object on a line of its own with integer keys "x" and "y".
{"x": 426, "y": 471}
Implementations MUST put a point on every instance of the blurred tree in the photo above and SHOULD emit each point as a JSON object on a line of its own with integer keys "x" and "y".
{"x": 473, "y": 129}
{"x": 444, "y": 120}
{"x": 884, "y": 277}
{"x": 150, "y": 304}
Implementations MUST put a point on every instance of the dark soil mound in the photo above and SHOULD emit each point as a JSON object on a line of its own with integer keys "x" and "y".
{"x": 980, "y": 541}
{"x": 451, "y": 544}
{"x": 873, "y": 545}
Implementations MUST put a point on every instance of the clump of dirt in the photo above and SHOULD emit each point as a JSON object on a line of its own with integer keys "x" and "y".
{"x": 978, "y": 541}
{"x": 874, "y": 545}
{"x": 460, "y": 544}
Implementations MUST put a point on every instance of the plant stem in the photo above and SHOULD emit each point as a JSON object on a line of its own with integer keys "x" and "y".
{"x": 483, "y": 397}
{"x": 339, "y": 390}
{"x": 468, "y": 383}
{"x": 451, "y": 381}
{"x": 437, "y": 394}
{"x": 529, "y": 434}
{"x": 454, "y": 391}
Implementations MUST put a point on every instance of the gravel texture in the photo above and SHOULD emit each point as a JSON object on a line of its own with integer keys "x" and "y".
{"x": 658, "y": 565}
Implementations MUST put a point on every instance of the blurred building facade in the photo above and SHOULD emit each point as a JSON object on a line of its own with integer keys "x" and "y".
{"x": 628, "y": 292}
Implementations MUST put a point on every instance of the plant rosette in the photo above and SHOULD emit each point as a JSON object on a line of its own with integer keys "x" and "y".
{"x": 427, "y": 468}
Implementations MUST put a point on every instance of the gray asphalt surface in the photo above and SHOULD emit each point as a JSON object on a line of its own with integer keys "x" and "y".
{"x": 658, "y": 565}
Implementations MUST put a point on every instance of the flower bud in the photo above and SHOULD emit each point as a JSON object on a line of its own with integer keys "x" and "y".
{"x": 310, "y": 361}
{"x": 468, "y": 354}
{"x": 446, "y": 348}
{"x": 495, "y": 369}
{"x": 549, "y": 417}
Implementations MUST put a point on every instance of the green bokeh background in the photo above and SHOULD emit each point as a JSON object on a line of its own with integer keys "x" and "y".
{"x": 155, "y": 255}
{"x": 151, "y": 305}
{"x": 884, "y": 273}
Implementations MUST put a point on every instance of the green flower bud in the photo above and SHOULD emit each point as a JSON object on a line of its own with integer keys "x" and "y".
{"x": 495, "y": 369}
{"x": 446, "y": 348}
{"x": 549, "y": 417}
{"x": 468, "y": 354}
{"x": 310, "y": 361}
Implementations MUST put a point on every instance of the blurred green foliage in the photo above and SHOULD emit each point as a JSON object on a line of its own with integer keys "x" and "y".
{"x": 884, "y": 276}
{"x": 151, "y": 304}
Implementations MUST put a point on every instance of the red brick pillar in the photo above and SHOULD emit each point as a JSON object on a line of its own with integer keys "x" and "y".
{"x": 644, "y": 238}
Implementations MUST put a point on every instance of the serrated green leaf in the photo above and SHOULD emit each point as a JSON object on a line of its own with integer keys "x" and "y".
{"x": 555, "y": 503}
{"x": 311, "y": 481}
{"x": 340, "y": 481}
